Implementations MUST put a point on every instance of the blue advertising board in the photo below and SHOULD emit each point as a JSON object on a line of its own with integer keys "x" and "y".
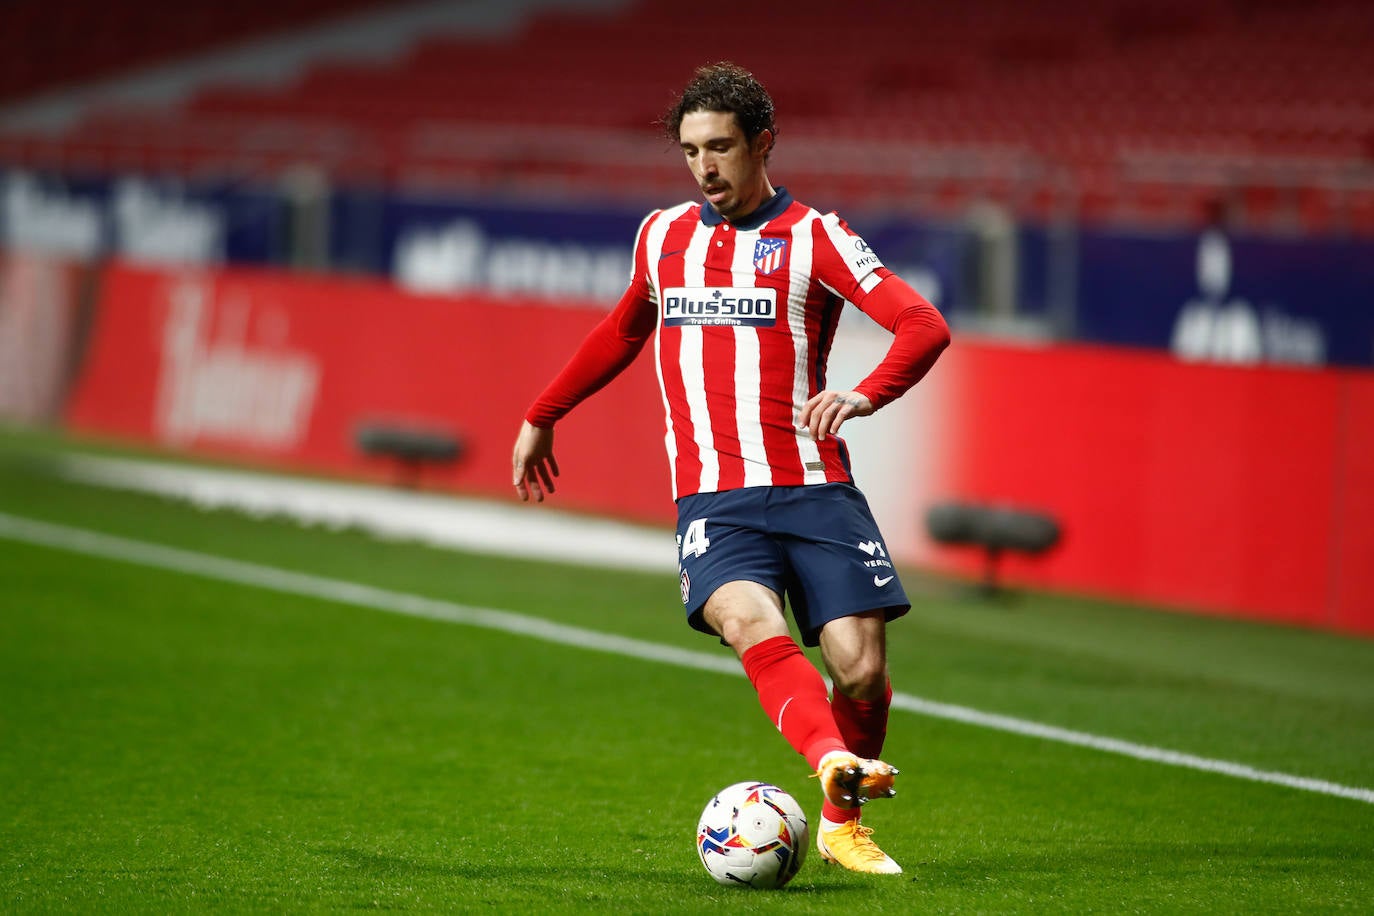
{"x": 1235, "y": 299}
{"x": 144, "y": 219}
{"x": 450, "y": 245}
{"x": 431, "y": 244}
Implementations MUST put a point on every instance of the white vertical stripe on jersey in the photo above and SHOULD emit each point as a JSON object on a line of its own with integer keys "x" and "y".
{"x": 693, "y": 368}
{"x": 653, "y": 244}
{"x": 796, "y": 316}
{"x": 748, "y": 370}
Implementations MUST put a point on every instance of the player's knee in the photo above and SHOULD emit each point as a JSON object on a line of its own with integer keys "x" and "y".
{"x": 742, "y": 627}
{"x": 863, "y": 678}
{"x": 745, "y": 614}
{"x": 743, "y": 630}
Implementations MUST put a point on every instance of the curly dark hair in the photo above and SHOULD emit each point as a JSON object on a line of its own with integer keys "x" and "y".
{"x": 725, "y": 87}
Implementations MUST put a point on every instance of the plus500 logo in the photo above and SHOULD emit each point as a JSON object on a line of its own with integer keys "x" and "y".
{"x": 756, "y": 308}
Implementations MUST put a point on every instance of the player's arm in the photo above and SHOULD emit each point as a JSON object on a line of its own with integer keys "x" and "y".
{"x": 606, "y": 352}
{"x": 844, "y": 264}
{"x": 920, "y": 335}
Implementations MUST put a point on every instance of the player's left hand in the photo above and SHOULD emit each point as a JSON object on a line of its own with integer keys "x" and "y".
{"x": 827, "y": 411}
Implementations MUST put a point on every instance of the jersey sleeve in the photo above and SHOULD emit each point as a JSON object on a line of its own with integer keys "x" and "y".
{"x": 608, "y": 350}
{"x": 842, "y": 261}
{"x": 847, "y": 266}
{"x": 920, "y": 335}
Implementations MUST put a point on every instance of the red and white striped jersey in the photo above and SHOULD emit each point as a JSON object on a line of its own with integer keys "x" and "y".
{"x": 743, "y": 316}
{"x": 746, "y": 316}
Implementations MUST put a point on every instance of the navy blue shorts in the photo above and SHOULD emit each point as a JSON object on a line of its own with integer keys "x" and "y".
{"x": 817, "y": 545}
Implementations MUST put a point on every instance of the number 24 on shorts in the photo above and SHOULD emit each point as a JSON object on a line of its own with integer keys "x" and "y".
{"x": 694, "y": 542}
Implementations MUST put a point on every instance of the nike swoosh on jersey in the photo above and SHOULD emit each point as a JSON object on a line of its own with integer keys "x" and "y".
{"x": 883, "y": 581}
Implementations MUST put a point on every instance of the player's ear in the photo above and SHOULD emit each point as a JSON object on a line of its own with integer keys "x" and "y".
{"x": 763, "y": 144}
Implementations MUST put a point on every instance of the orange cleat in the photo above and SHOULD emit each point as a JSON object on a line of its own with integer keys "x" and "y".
{"x": 849, "y": 781}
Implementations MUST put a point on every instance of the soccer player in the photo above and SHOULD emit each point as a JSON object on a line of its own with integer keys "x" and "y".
{"x": 741, "y": 294}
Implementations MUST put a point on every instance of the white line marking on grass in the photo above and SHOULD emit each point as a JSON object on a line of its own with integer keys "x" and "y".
{"x": 157, "y": 556}
{"x": 1125, "y": 748}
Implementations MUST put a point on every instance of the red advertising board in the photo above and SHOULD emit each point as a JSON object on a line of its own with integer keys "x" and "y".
{"x": 1246, "y": 491}
{"x": 283, "y": 371}
{"x": 1243, "y": 490}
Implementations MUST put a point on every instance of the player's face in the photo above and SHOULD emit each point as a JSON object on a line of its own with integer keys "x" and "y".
{"x": 728, "y": 168}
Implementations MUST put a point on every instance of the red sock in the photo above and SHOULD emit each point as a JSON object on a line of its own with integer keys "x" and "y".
{"x": 863, "y": 724}
{"x": 792, "y": 693}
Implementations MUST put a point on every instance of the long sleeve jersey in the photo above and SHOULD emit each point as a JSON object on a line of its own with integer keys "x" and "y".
{"x": 742, "y": 316}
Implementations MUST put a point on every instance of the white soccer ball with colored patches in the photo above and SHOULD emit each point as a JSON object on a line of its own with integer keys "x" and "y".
{"x": 752, "y": 834}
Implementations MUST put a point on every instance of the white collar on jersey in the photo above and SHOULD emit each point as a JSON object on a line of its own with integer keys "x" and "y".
{"x": 771, "y": 208}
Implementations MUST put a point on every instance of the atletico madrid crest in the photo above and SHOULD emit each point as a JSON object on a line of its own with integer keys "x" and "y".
{"x": 769, "y": 255}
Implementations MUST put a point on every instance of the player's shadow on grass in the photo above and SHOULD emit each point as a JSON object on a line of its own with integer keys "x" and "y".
{"x": 816, "y": 878}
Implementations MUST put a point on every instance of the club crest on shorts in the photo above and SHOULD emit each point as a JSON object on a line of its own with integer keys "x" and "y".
{"x": 769, "y": 255}
{"x": 686, "y": 582}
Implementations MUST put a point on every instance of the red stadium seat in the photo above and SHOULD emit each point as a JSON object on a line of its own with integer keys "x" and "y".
{"x": 1139, "y": 110}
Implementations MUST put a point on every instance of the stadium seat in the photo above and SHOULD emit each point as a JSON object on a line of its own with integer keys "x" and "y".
{"x": 1242, "y": 98}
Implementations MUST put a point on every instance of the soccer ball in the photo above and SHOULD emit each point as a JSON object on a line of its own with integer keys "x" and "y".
{"x": 752, "y": 834}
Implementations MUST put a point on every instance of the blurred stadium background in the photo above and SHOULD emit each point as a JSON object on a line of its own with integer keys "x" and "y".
{"x": 259, "y": 232}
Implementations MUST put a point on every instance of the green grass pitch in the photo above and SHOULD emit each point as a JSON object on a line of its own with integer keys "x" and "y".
{"x": 169, "y": 742}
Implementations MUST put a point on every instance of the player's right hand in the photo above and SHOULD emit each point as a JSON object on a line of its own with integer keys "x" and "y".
{"x": 533, "y": 464}
{"x": 826, "y": 411}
